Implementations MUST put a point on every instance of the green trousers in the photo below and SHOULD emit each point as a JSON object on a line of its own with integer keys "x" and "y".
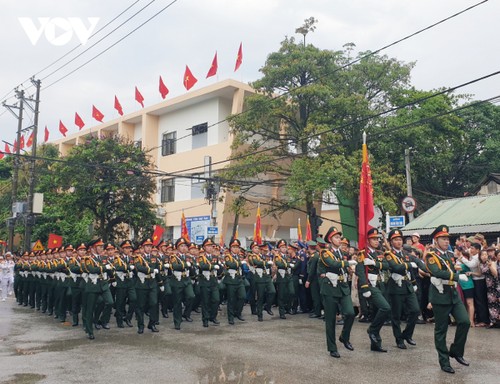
{"x": 381, "y": 312}
{"x": 410, "y": 303}
{"x": 332, "y": 305}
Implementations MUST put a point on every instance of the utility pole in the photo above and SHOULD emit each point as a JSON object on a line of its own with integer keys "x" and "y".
{"x": 30, "y": 217}
{"x": 212, "y": 189}
{"x": 408, "y": 180}
{"x": 11, "y": 223}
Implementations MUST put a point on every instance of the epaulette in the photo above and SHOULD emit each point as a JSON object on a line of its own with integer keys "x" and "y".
{"x": 328, "y": 254}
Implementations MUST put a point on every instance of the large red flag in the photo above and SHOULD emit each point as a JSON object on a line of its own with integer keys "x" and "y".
{"x": 14, "y": 146}
{"x": 257, "y": 236}
{"x": 55, "y": 241}
{"x": 157, "y": 234}
{"x": 7, "y": 149}
{"x": 21, "y": 143}
{"x": 189, "y": 79}
{"x": 309, "y": 235}
{"x": 96, "y": 114}
{"x": 29, "y": 143}
{"x": 46, "y": 135}
{"x": 139, "y": 98}
{"x": 1, "y": 155}
{"x": 163, "y": 89}
{"x": 366, "y": 209}
{"x": 62, "y": 128}
{"x": 184, "y": 228}
{"x": 213, "y": 68}
{"x": 299, "y": 231}
{"x": 78, "y": 121}
{"x": 118, "y": 106}
{"x": 239, "y": 58}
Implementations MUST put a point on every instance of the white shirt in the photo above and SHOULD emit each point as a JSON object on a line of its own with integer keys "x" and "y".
{"x": 473, "y": 265}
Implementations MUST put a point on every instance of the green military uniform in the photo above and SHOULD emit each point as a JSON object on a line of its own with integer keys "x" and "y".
{"x": 402, "y": 292}
{"x": 75, "y": 283}
{"x": 445, "y": 300}
{"x": 209, "y": 287}
{"x": 368, "y": 270}
{"x": 313, "y": 280}
{"x": 121, "y": 289}
{"x": 263, "y": 284}
{"x": 284, "y": 281}
{"x": 235, "y": 286}
{"x": 295, "y": 274}
{"x": 335, "y": 294}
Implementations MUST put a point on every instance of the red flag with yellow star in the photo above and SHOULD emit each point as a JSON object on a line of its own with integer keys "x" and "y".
{"x": 189, "y": 79}
{"x": 184, "y": 229}
{"x": 96, "y": 114}
{"x": 78, "y": 121}
{"x": 163, "y": 89}
{"x": 213, "y": 68}
{"x": 239, "y": 58}
{"x": 29, "y": 142}
{"x": 62, "y": 128}
{"x": 55, "y": 241}
{"x": 157, "y": 234}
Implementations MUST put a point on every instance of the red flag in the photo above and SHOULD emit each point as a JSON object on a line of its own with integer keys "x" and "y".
{"x": 157, "y": 234}
{"x": 366, "y": 209}
{"x": 46, "y": 137}
{"x": 21, "y": 142}
{"x": 239, "y": 58}
{"x": 163, "y": 89}
{"x": 299, "y": 231}
{"x": 7, "y": 149}
{"x": 257, "y": 236}
{"x": 118, "y": 106}
{"x": 213, "y": 68}
{"x": 139, "y": 98}
{"x": 14, "y": 146}
{"x": 62, "y": 128}
{"x": 309, "y": 235}
{"x": 184, "y": 229}
{"x": 55, "y": 241}
{"x": 189, "y": 79}
{"x": 78, "y": 121}
{"x": 1, "y": 157}
{"x": 96, "y": 114}
{"x": 29, "y": 143}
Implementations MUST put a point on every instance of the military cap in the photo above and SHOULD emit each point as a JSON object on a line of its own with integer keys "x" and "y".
{"x": 264, "y": 245}
{"x": 253, "y": 244}
{"x": 32, "y": 254}
{"x": 373, "y": 233}
{"x": 126, "y": 244}
{"x": 345, "y": 240}
{"x": 394, "y": 233}
{"x": 69, "y": 248}
{"x": 311, "y": 243}
{"x": 180, "y": 240}
{"x": 294, "y": 246}
{"x": 109, "y": 247}
{"x": 169, "y": 244}
{"x": 281, "y": 243}
{"x": 235, "y": 243}
{"x": 208, "y": 241}
{"x": 81, "y": 246}
{"x": 193, "y": 245}
{"x": 96, "y": 243}
{"x": 162, "y": 244}
{"x": 441, "y": 231}
{"x": 321, "y": 242}
{"x": 147, "y": 242}
{"x": 332, "y": 232}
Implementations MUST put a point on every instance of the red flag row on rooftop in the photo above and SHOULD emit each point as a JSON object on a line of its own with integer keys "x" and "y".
{"x": 189, "y": 80}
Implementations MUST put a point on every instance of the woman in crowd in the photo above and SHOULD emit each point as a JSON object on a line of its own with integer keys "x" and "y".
{"x": 467, "y": 286}
{"x": 489, "y": 269}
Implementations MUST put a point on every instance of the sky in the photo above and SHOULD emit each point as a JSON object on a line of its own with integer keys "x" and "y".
{"x": 36, "y": 33}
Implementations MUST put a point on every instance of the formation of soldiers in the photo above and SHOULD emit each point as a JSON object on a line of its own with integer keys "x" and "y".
{"x": 90, "y": 280}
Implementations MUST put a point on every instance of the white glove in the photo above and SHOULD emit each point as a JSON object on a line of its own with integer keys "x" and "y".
{"x": 113, "y": 284}
{"x": 108, "y": 266}
{"x": 300, "y": 281}
{"x": 217, "y": 266}
{"x": 188, "y": 264}
{"x": 368, "y": 261}
{"x": 166, "y": 265}
{"x": 132, "y": 267}
{"x": 292, "y": 265}
{"x": 352, "y": 262}
{"x": 463, "y": 277}
{"x": 413, "y": 264}
{"x": 162, "y": 288}
{"x": 155, "y": 271}
{"x": 243, "y": 262}
{"x": 415, "y": 288}
{"x": 269, "y": 262}
{"x": 367, "y": 294}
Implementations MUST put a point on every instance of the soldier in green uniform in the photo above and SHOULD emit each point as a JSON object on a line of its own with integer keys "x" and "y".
{"x": 445, "y": 300}
{"x": 180, "y": 282}
{"x": 335, "y": 292}
{"x": 235, "y": 287}
{"x": 284, "y": 281}
{"x": 371, "y": 262}
{"x": 295, "y": 264}
{"x": 131, "y": 295}
{"x": 401, "y": 289}
{"x": 263, "y": 281}
{"x": 75, "y": 271}
{"x": 121, "y": 288}
{"x": 208, "y": 284}
{"x": 312, "y": 281}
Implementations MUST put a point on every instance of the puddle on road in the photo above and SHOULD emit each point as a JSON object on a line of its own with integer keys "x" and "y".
{"x": 233, "y": 371}
{"x": 53, "y": 346}
{"x": 25, "y": 378}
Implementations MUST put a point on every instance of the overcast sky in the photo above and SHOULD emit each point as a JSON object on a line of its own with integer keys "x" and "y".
{"x": 190, "y": 31}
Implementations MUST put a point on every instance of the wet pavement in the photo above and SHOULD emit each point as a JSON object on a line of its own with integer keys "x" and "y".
{"x": 35, "y": 348}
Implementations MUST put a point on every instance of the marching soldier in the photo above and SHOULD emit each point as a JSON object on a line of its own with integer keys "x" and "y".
{"x": 445, "y": 300}
{"x": 312, "y": 282}
{"x": 122, "y": 286}
{"x": 131, "y": 295}
{"x": 335, "y": 291}
{"x": 208, "y": 284}
{"x": 401, "y": 289}
{"x": 180, "y": 282}
{"x": 235, "y": 287}
{"x": 283, "y": 279}
{"x": 370, "y": 263}
{"x": 295, "y": 267}
{"x": 263, "y": 281}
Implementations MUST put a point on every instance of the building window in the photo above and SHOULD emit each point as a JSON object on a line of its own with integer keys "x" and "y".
{"x": 200, "y": 135}
{"x": 168, "y": 143}
{"x": 197, "y": 186}
{"x": 168, "y": 190}
{"x": 169, "y": 233}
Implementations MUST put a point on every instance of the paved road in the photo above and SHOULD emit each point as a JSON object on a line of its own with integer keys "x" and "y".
{"x": 37, "y": 349}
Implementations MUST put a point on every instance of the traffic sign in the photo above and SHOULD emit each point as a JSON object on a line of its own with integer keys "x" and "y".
{"x": 38, "y": 246}
{"x": 409, "y": 204}
{"x": 212, "y": 231}
{"x": 396, "y": 221}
